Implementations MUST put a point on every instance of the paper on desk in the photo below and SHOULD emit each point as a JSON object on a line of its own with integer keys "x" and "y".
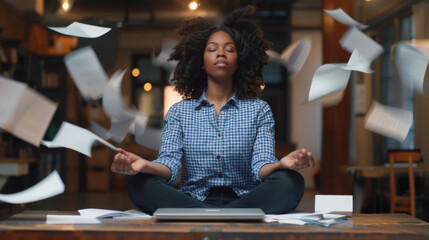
{"x": 342, "y": 17}
{"x": 86, "y": 72}
{"x": 301, "y": 218}
{"x": 411, "y": 59}
{"x": 107, "y": 213}
{"x": 24, "y": 112}
{"x": 334, "y": 204}
{"x": 70, "y": 219}
{"x": 355, "y": 39}
{"x": 389, "y": 121}
{"x": 83, "y": 30}
{"x": 294, "y": 56}
{"x": 48, "y": 187}
{"x": 76, "y": 138}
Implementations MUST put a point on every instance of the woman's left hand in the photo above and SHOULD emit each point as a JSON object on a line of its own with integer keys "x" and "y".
{"x": 297, "y": 159}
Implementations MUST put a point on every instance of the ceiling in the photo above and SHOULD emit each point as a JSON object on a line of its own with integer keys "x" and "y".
{"x": 147, "y": 13}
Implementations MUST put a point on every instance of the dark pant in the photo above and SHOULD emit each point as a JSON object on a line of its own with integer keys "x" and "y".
{"x": 279, "y": 193}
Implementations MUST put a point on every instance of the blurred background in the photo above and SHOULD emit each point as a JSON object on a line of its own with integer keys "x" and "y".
{"x": 336, "y": 136}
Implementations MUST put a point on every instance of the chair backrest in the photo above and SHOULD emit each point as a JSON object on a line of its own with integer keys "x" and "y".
{"x": 404, "y": 155}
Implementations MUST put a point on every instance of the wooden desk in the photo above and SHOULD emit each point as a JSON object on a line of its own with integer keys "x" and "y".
{"x": 360, "y": 173}
{"x": 31, "y": 225}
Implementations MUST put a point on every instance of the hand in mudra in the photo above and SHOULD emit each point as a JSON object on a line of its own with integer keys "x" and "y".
{"x": 127, "y": 163}
{"x": 297, "y": 159}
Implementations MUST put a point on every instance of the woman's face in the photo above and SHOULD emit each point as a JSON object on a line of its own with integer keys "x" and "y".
{"x": 220, "y": 56}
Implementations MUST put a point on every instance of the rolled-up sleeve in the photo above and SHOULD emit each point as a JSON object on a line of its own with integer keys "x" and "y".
{"x": 171, "y": 150}
{"x": 264, "y": 146}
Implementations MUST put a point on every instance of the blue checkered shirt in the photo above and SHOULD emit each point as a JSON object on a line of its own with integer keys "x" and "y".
{"x": 225, "y": 151}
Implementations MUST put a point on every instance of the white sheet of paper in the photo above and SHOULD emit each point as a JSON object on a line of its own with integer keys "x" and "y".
{"x": 70, "y": 219}
{"x": 25, "y": 113}
{"x": 411, "y": 59}
{"x": 167, "y": 48}
{"x": 285, "y": 221}
{"x": 76, "y": 138}
{"x": 327, "y": 79}
{"x": 293, "y": 57}
{"x": 358, "y": 62}
{"x": 151, "y": 138}
{"x": 86, "y": 72}
{"x": 50, "y": 186}
{"x": 117, "y": 132}
{"x": 342, "y": 17}
{"x": 334, "y": 203}
{"x": 83, "y": 30}
{"x": 113, "y": 103}
{"x": 107, "y": 213}
{"x": 121, "y": 117}
{"x": 133, "y": 215}
{"x": 355, "y": 39}
{"x": 139, "y": 124}
{"x": 330, "y": 80}
{"x": 296, "y": 54}
{"x": 389, "y": 121}
{"x": 10, "y": 94}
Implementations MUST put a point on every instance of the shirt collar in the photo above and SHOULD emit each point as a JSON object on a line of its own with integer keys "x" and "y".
{"x": 202, "y": 100}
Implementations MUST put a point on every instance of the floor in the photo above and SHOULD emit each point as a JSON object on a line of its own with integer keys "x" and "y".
{"x": 118, "y": 200}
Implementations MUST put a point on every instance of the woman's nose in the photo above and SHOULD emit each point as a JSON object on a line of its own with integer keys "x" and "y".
{"x": 220, "y": 53}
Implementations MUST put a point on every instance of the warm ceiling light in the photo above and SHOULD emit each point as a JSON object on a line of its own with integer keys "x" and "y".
{"x": 368, "y": 0}
{"x": 193, "y": 5}
{"x": 66, "y": 5}
{"x": 135, "y": 72}
{"x": 147, "y": 87}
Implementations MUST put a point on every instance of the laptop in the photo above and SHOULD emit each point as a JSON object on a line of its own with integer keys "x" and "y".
{"x": 209, "y": 214}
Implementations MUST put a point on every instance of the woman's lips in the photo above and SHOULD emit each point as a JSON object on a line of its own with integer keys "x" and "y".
{"x": 221, "y": 63}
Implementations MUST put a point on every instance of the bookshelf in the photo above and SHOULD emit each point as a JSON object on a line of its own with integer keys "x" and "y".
{"x": 48, "y": 76}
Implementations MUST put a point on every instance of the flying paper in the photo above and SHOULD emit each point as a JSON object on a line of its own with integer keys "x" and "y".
{"x": 389, "y": 121}
{"x": 121, "y": 117}
{"x": 411, "y": 59}
{"x": 342, "y": 17}
{"x": 162, "y": 58}
{"x": 327, "y": 79}
{"x": 150, "y": 137}
{"x": 355, "y": 39}
{"x": 24, "y": 112}
{"x": 83, "y": 30}
{"x": 50, "y": 186}
{"x": 76, "y": 138}
{"x": 294, "y": 56}
{"x": 86, "y": 72}
{"x": 333, "y": 78}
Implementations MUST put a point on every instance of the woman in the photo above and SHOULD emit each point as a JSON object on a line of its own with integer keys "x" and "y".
{"x": 223, "y": 132}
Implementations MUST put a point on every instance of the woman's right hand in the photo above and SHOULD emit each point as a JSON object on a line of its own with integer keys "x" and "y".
{"x": 127, "y": 163}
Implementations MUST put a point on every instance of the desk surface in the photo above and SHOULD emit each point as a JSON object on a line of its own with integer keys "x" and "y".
{"x": 31, "y": 225}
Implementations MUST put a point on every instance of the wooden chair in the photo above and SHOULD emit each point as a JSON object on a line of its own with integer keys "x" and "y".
{"x": 399, "y": 203}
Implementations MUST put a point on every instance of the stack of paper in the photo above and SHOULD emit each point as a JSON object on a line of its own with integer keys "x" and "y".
{"x": 93, "y": 216}
{"x": 322, "y": 219}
